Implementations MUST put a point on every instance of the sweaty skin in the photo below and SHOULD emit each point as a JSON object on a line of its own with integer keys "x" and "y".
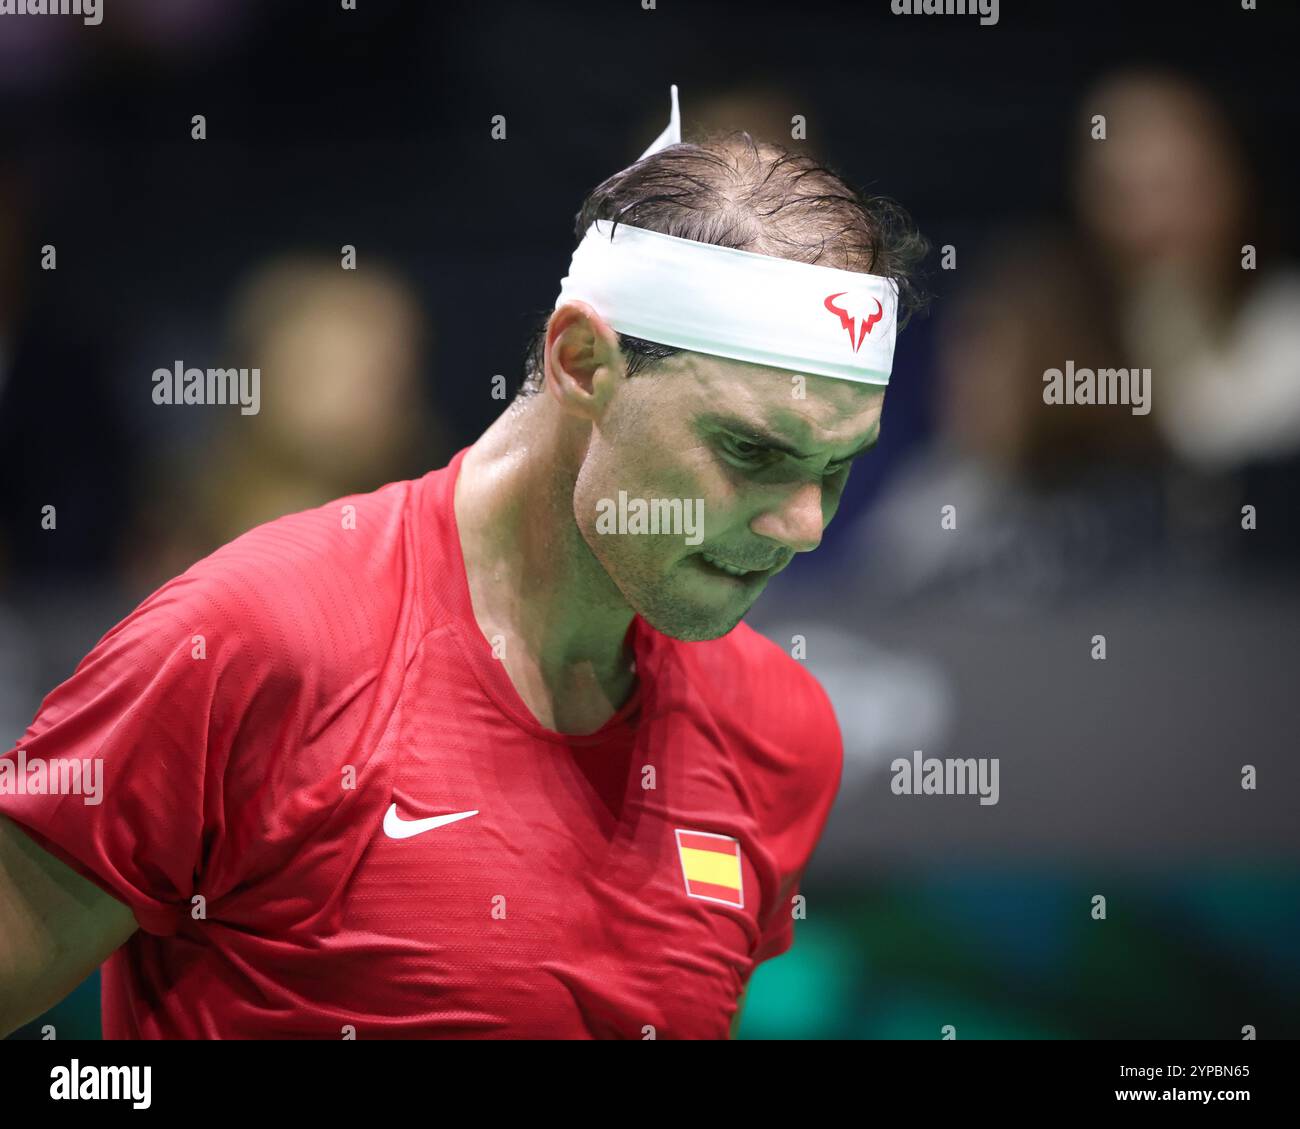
{"x": 560, "y": 596}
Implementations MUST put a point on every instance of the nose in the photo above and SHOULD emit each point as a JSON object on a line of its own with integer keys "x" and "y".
{"x": 797, "y": 522}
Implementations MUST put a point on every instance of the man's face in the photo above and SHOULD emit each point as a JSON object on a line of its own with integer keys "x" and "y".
{"x": 754, "y": 473}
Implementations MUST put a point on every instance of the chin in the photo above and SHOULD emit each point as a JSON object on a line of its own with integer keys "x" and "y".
{"x": 693, "y": 634}
{"x": 691, "y": 624}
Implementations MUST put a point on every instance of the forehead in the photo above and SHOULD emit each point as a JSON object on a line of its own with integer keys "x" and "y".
{"x": 829, "y": 411}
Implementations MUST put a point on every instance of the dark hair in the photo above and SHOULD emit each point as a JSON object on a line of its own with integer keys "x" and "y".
{"x": 733, "y": 191}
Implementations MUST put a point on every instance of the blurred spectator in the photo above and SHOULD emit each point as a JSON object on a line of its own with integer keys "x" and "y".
{"x": 341, "y": 357}
{"x": 1047, "y": 497}
{"x": 1053, "y": 499}
{"x": 1169, "y": 200}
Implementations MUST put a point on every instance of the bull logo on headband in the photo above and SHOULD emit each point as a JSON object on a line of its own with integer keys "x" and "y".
{"x": 847, "y": 320}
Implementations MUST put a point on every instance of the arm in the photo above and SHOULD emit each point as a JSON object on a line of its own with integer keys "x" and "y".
{"x": 56, "y": 928}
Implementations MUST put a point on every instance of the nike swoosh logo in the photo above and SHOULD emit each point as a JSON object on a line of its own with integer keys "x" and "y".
{"x": 395, "y": 827}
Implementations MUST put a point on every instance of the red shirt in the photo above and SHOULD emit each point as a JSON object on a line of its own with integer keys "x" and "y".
{"x": 259, "y": 715}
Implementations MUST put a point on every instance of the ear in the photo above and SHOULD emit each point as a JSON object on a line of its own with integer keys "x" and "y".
{"x": 583, "y": 363}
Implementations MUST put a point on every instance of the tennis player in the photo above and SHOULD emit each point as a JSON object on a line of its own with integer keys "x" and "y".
{"x": 489, "y": 753}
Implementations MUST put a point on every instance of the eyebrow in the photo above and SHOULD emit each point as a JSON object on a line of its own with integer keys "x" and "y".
{"x": 755, "y": 434}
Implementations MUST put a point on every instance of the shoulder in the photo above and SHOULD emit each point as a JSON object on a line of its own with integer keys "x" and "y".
{"x": 319, "y": 590}
{"x": 349, "y": 544}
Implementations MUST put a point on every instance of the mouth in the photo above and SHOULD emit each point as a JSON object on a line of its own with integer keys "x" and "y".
{"x": 716, "y": 567}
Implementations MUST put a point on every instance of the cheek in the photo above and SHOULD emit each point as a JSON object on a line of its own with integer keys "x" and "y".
{"x": 648, "y": 466}
{"x": 606, "y": 471}
{"x": 706, "y": 491}
{"x": 589, "y": 489}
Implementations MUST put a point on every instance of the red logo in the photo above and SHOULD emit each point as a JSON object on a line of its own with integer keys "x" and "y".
{"x": 847, "y": 319}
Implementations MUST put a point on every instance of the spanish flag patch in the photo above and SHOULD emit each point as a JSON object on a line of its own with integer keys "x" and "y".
{"x": 711, "y": 866}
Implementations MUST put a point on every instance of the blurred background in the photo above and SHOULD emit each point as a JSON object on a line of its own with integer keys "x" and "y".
{"x": 373, "y": 128}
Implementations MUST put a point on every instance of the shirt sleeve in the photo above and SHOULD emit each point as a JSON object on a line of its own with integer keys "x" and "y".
{"x": 122, "y": 768}
{"x": 813, "y": 737}
{"x": 779, "y": 934}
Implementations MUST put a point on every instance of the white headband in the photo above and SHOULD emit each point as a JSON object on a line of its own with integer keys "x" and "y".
{"x": 738, "y": 304}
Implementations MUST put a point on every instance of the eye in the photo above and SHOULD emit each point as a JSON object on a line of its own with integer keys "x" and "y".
{"x": 743, "y": 450}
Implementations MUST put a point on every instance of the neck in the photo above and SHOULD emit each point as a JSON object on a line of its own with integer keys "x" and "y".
{"x": 536, "y": 588}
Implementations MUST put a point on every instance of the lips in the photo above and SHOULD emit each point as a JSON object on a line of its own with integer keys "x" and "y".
{"x": 733, "y": 570}
{"x": 728, "y": 569}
